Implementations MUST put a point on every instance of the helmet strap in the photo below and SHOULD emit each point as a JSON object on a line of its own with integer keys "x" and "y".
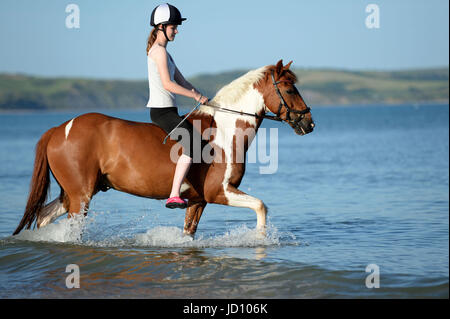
{"x": 164, "y": 31}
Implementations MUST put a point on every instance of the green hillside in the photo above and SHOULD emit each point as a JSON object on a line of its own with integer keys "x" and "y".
{"x": 318, "y": 87}
{"x": 28, "y": 92}
{"x": 337, "y": 87}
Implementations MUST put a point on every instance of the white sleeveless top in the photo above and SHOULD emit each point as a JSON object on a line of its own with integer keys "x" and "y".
{"x": 159, "y": 96}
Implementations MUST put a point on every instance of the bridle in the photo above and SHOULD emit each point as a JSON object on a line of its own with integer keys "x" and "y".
{"x": 284, "y": 104}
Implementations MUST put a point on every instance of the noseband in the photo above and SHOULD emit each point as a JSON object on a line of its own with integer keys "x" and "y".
{"x": 283, "y": 103}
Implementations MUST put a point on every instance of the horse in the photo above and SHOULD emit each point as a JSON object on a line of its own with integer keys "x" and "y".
{"x": 94, "y": 152}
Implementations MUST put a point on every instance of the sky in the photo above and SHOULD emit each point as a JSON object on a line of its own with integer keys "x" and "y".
{"x": 222, "y": 36}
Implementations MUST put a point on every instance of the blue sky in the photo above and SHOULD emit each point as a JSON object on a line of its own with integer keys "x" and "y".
{"x": 221, "y": 36}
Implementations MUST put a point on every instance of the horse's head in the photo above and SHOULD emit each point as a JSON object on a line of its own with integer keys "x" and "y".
{"x": 282, "y": 98}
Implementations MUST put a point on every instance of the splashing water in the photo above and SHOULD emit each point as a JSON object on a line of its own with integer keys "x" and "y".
{"x": 241, "y": 236}
{"x": 78, "y": 230}
{"x": 66, "y": 230}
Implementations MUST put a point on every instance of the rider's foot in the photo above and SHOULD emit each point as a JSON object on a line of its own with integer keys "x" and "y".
{"x": 176, "y": 202}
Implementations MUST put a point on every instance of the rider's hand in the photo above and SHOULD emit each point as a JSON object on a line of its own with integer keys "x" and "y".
{"x": 204, "y": 100}
{"x": 199, "y": 97}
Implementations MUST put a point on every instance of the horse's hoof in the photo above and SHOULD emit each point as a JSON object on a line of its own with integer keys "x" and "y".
{"x": 261, "y": 233}
{"x": 44, "y": 221}
{"x": 189, "y": 235}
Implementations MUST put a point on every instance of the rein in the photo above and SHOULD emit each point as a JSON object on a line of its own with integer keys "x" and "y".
{"x": 270, "y": 117}
{"x": 277, "y": 117}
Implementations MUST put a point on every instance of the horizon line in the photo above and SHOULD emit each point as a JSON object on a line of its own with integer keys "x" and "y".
{"x": 19, "y": 73}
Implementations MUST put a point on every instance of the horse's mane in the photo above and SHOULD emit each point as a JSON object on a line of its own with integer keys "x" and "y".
{"x": 231, "y": 93}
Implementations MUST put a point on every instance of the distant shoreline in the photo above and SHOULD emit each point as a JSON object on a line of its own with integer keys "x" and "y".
{"x": 319, "y": 87}
{"x": 186, "y": 109}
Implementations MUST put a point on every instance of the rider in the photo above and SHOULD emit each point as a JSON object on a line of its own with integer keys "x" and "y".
{"x": 165, "y": 80}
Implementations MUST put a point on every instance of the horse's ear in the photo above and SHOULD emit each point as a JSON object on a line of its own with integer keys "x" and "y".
{"x": 286, "y": 67}
{"x": 279, "y": 67}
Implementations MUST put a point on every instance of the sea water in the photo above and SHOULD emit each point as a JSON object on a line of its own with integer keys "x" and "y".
{"x": 368, "y": 187}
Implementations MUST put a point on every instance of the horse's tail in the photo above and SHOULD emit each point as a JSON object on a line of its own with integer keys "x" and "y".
{"x": 40, "y": 182}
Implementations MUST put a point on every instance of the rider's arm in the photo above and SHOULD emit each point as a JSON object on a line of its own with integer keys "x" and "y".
{"x": 159, "y": 55}
{"x": 179, "y": 78}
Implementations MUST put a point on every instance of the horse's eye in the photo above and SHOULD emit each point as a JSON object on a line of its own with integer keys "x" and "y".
{"x": 290, "y": 91}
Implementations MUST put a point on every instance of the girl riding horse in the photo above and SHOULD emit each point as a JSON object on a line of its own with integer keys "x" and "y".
{"x": 165, "y": 80}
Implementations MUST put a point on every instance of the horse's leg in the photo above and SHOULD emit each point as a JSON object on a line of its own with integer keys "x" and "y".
{"x": 52, "y": 211}
{"x": 232, "y": 196}
{"x": 193, "y": 213}
{"x": 78, "y": 204}
{"x": 72, "y": 204}
{"x": 78, "y": 190}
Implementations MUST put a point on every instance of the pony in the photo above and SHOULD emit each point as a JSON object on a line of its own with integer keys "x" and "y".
{"x": 94, "y": 152}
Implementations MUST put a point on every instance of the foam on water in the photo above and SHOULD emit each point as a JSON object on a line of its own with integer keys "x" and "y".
{"x": 241, "y": 236}
{"x": 78, "y": 230}
{"x": 65, "y": 230}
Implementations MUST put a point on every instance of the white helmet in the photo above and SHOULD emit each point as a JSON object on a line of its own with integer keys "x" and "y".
{"x": 166, "y": 14}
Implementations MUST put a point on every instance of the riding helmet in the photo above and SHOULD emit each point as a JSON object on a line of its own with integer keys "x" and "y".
{"x": 166, "y": 14}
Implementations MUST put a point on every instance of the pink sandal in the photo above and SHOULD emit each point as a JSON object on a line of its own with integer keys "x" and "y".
{"x": 176, "y": 202}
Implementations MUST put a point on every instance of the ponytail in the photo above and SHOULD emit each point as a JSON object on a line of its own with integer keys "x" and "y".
{"x": 151, "y": 38}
